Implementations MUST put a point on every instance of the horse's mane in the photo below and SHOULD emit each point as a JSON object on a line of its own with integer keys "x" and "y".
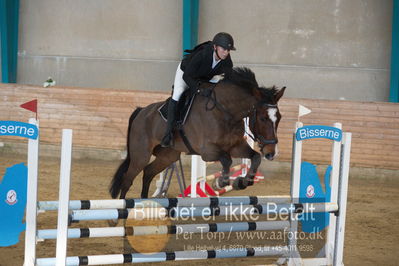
{"x": 243, "y": 77}
{"x": 269, "y": 93}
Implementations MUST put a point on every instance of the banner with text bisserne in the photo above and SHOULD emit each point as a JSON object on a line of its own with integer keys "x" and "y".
{"x": 317, "y": 131}
{"x": 20, "y": 129}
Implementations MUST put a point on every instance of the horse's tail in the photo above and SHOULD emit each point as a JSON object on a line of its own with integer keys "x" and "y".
{"x": 116, "y": 183}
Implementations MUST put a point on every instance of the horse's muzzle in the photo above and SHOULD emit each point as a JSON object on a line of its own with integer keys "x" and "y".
{"x": 270, "y": 156}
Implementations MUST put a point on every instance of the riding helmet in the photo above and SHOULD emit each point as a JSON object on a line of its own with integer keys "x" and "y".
{"x": 224, "y": 40}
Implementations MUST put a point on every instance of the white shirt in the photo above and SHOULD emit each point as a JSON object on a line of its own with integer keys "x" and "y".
{"x": 214, "y": 62}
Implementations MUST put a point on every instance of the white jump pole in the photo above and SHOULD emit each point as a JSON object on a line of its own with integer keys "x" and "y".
{"x": 31, "y": 204}
{"x": 159, "y": 184}
{"x": 251, "y": 143}
{"x": 198, "y": 169}
{"x": 296, "y": 166}
{"x": 65, "y": 181}
{"x": 334, "y": 182}
{"x": 342, "y": 200}
{"x": 294, "y": 192}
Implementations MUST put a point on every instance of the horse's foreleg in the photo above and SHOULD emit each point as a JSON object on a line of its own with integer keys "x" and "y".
{"x": 255, "y": 162}
{"x": 245, "y": 151}
{"x": 226, "y": 162}
{"x": 164, "y": 158}
{"x": 214, "y": 153}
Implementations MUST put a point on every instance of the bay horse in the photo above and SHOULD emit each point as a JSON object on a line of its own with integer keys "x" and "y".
{"x": 216, "y": 134}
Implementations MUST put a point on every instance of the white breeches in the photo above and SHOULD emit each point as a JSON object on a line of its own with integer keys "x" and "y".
{"x": 179, "y": 85}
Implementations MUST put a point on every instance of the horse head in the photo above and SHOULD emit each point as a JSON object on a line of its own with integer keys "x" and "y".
{"x": 264, "y": 119}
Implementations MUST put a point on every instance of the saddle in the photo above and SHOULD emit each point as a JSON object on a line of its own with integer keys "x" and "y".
{"x": 183, "y": 108}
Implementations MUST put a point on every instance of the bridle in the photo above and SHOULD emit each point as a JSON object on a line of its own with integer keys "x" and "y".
{"x": 256, "y": 136}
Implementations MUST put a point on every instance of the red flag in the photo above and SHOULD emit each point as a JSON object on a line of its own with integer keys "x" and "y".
{"x": 31, "y": 106}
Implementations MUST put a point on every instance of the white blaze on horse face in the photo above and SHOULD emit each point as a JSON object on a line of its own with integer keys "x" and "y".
{"x": 272, "y": 112}
{"x": 272, "y": 115}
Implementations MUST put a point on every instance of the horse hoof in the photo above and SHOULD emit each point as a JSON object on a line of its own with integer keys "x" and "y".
{"x": 215, "y": 185}
{"x": 249, "y": 181}
{"x": 224, "y": 181}
{"x": 220, "y": 183}
{"x": 239, "y": 183}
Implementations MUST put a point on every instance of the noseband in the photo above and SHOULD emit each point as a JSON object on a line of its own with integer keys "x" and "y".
{"x": 257, "y": 137}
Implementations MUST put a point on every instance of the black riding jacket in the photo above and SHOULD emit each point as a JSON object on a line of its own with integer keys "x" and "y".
{"x": 197, "y": 66}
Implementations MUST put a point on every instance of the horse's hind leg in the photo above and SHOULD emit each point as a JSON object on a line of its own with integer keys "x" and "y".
{"x": 139, "y": 160}
{"x": 164, "y": 158}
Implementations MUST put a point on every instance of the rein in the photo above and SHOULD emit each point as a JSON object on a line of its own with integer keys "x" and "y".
{"x": 256, "y": 137}
{"x": 212, "y": 97}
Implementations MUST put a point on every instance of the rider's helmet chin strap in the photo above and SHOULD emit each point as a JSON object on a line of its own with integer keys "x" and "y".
{"x": 216, "y": 52}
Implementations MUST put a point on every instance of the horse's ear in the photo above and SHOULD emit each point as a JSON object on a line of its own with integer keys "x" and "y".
{"x": 279, "y": 94}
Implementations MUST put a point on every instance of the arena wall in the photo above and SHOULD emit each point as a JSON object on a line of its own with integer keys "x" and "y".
{"x": 99, "y": 118}
{"x": 319, "y": 49}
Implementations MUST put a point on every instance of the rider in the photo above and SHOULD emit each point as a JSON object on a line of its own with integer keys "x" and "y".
{"x": 202, "y": 63}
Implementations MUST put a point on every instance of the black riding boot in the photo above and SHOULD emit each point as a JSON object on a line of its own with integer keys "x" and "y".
{"x": 167, "y": 140}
